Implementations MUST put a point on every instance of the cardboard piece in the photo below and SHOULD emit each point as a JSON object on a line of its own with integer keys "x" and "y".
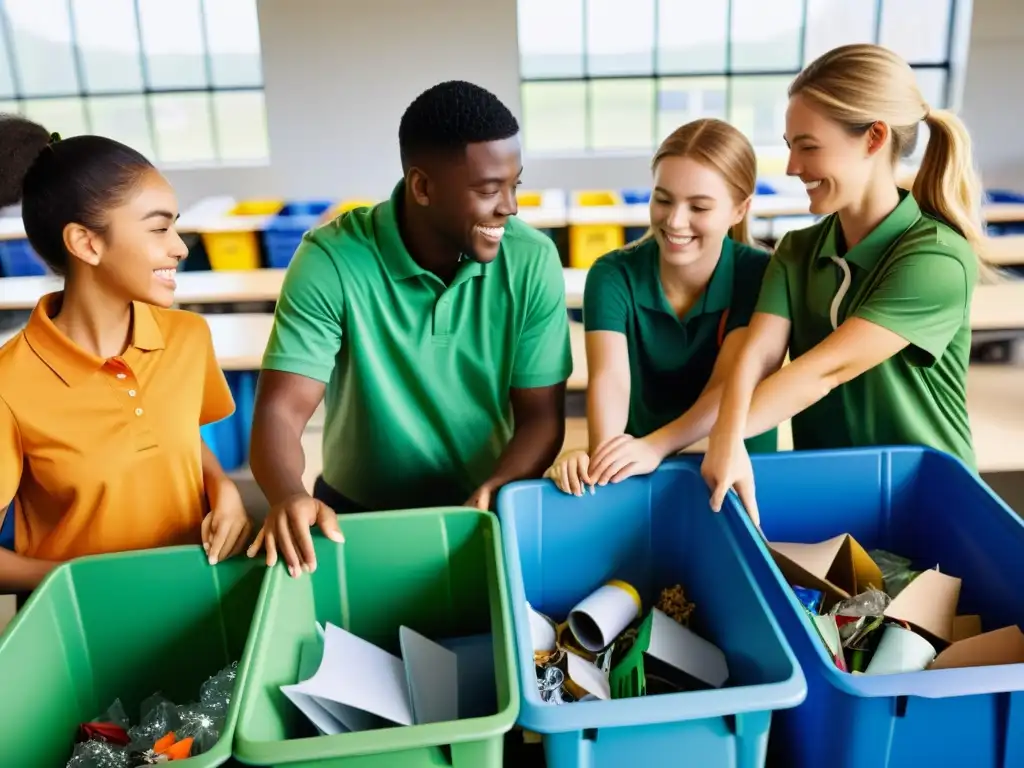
{"x": 684, "y": 651}
{"x": 1003, "y": 646}
{"x": 928, "y": 604}
{"x": 358, "y": 686}
{"x": 966, "y": 626}
{"x": 840, "y": 567}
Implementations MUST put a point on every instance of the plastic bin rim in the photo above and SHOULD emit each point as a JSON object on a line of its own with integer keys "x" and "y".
{"x": 404, "y": 737}
{"x": 784, "y": 694}
{"x": 931, "y": 684}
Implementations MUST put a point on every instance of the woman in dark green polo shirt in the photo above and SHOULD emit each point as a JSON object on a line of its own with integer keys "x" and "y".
{"x": 664, "y": 316}
{"x": 873, "y": 302}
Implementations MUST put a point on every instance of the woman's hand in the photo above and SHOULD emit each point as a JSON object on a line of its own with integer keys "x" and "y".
{"x": 623, "y": 456}
{"x": 227, "y": 526}
{"x": 726, "y": 466}
{"x": 571, "y": 472}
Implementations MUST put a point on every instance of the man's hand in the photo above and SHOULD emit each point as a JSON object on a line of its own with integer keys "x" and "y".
{"x": 481, "y": 499}
{"x": 227, "y": 526}
{"x": 287, "y": 528}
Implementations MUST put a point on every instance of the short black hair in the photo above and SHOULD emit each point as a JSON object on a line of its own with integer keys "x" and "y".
{"x": 449, "y": 116}
{"x": 59, "y": 182}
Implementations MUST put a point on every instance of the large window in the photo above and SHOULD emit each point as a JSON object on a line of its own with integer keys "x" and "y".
{"x": 178, "y": 80}
{"x": 619, "y": 75}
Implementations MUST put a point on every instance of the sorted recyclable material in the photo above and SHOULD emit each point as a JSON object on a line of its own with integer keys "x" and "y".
{"x": 165, "y": 731}
{"x": 610, "y": 647}
{"x": 877, "y": 614}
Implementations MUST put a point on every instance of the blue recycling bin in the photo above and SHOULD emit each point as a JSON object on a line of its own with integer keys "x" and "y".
{"x": 652, "y": 531}
{"x": 284, "y": 232}
{"x": 929, "y": 507}
{"x": 18, "y": 259}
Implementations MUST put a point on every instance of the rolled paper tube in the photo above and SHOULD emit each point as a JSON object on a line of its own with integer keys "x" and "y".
{"x": 600, "y": 617}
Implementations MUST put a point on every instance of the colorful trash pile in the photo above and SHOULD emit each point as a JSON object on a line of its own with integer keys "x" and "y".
{"x": 876, "y": 615}
{"x": 608, "y": 647}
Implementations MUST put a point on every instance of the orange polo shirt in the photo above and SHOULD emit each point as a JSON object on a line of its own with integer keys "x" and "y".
{"x": 105, "y": 455}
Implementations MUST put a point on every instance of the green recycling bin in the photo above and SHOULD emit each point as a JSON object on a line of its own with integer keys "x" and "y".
{"x": 123, "y": 627}
{"x": 437, "y": 572}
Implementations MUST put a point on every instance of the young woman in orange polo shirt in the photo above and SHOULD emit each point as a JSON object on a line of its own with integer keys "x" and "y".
{"x": 103, "y": 392}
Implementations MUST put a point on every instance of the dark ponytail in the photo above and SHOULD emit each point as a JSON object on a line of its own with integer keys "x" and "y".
{"x": 60, "y": 182}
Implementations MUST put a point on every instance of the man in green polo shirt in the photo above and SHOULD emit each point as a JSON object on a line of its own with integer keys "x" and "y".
{"x": 433, "y": 325}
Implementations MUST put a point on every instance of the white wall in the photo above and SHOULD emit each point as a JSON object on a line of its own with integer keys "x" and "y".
{"x": 993, "y": 101}
{"x": 339, "y": 73}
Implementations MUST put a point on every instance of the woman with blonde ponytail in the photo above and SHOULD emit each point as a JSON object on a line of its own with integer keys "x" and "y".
{"x": 665, "y": 315}
{"x": 872, "y": 303}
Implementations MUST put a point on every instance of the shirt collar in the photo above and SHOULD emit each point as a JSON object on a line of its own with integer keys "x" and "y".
{"x": 69, "y": 361}
{"x": 868, "y": 251}
{"x": 396, "y": 257}
{"x": 716, "y": 297}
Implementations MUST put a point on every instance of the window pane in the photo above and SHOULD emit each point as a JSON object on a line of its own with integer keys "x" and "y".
{"x": 123, "y": 118}
{"x": 6, "y": 77}
{"x": 65, "y": 116}
{"x": 758, "y": 108}
{"x": 555, "y": 117}
{"x": 932, "y": 83}
{"x": 182, "y": 125}
{"x": 41, "y": 36}
{"x": 172, "y": 38}
{"x": 241, "y": 121}
{"x": 692, "y": 35}
{"x": 832, "y": 23}
{"x": 233, "y": 34}
{"x": 622, "y": 114}
{"x": 550, "y": 38}
{"x": 620, "y": 37}
{"x": 918, "y": 30}
{"x": 682, "y": 99}
{"x": 766, "y": 36}
{"x": 108, "y": 42}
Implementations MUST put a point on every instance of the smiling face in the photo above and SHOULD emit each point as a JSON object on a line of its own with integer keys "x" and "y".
{"x": 692, "y": 209}
{"x": 836, "y": 164}
{"x": 138, "y": 254}
{"x": 473, "y": 197}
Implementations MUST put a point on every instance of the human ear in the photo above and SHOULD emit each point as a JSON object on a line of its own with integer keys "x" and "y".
{"x": 83, "y": 244}
{"x": 877, "y": 136}
{"x": 741, "y": 211}
{"x": 419, "y": 185}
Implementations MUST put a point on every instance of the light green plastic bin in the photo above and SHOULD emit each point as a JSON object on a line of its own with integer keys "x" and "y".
{"x": 122, "y": 626}
{"x": 436, "y": 571}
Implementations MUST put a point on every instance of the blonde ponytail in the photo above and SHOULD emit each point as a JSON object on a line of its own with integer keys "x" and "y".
{"x": 861, "y": 84}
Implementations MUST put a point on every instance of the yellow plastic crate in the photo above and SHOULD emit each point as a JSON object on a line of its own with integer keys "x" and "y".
{"x": 596, "y": 198}
{"x": 529, "y": 199}
{"x": 588, "y": 242}
{"x": 348, "y": 205}
{"x": 231, "y": 250}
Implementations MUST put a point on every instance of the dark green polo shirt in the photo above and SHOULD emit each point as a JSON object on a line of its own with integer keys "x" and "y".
{"x": 418, "y": 373}
{"x": 913, "y": 275}
{"x": 671, "y": 359}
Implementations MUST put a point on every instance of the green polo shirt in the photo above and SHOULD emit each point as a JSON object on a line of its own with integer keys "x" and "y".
{"x": 913, "y": 275}
{"x": 671, "y": 359}
{"x": 418, "y": 373}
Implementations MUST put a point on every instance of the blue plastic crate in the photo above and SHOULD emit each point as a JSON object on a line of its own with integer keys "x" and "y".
{"x": 1003, "y": 196}
{"x": 930, "y": 507}
{"x": 653, "y": 531}
{"x": 17, "y": 259}
{"x": 284, "y": 232}
{"x": 636, "y": 196}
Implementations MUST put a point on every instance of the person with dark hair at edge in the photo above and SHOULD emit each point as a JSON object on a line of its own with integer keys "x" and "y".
{"x": 102, "y": 394}
{"x": 433, "y": 326}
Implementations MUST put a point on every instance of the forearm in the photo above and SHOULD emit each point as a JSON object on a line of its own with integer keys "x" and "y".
{"x": 607, "y": 410}
{"x": 692, "y": 426}
{"x": 731, "y": 420}
{"x": 276, "y": 457}
{"x": 22, "y": 574}
{"x": 534, "y": 446}
{"x": 784, "y": 394}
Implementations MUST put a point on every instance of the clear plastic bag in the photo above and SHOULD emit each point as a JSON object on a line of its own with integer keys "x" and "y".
{"x": 159, "y": 717}
{"x": 871, "y": 602}
{"x": 896, "y": 570}
{"x": 99, "y": 754}
{"x": 215, "y": 695}
{"x": 201, "y": 725}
